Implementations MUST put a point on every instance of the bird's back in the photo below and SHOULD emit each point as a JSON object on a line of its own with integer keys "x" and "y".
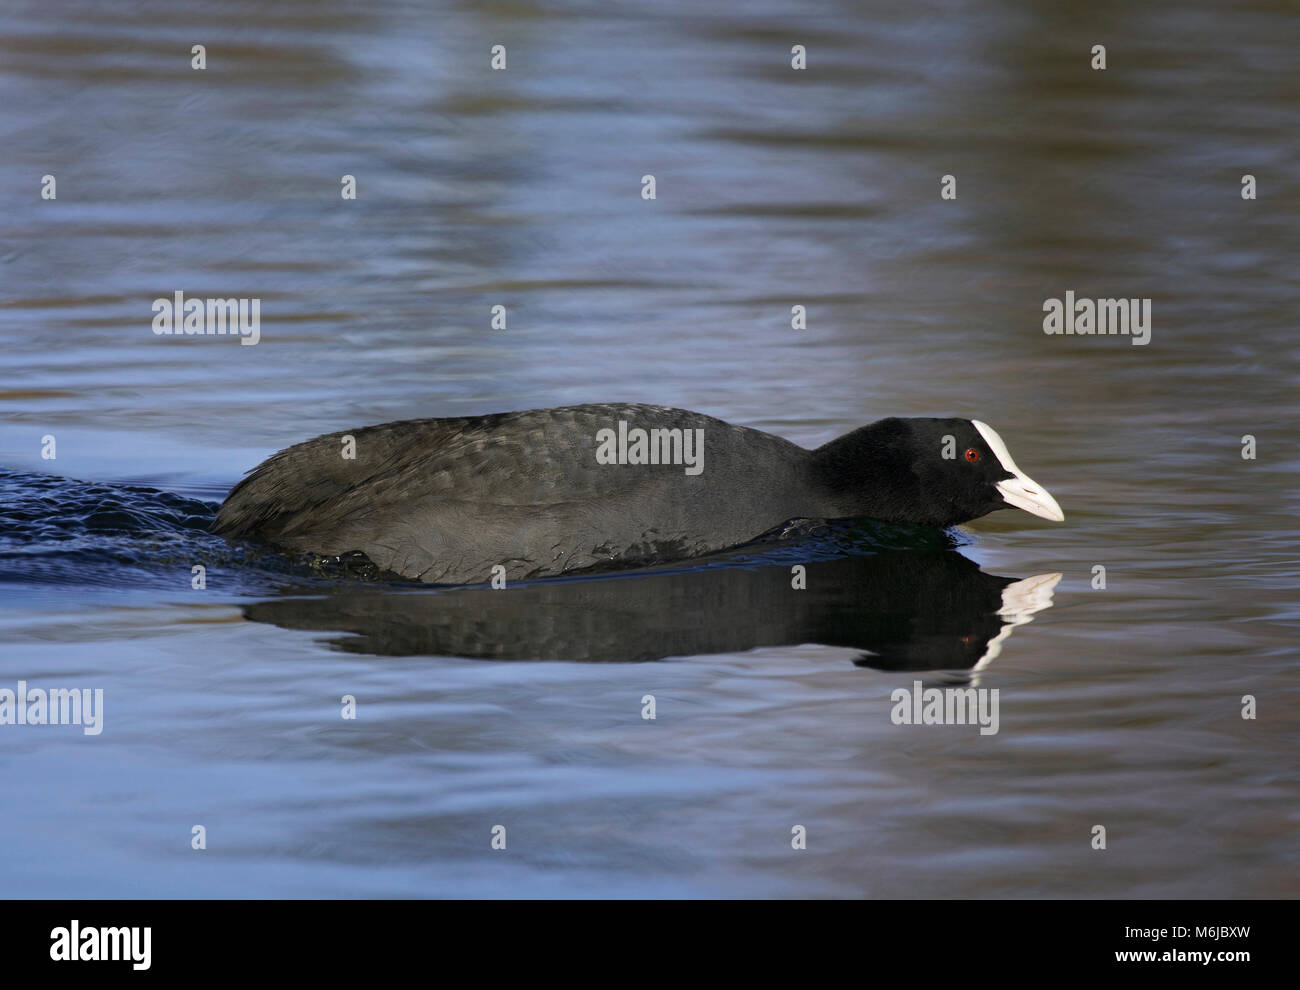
{"x": 444, "y": 500}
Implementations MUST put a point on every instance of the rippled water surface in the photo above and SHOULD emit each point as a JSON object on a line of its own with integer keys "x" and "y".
{"x": 1119, "y": 707}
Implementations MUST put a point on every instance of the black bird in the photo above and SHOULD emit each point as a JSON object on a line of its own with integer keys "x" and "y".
{"x": 550, "y": 491}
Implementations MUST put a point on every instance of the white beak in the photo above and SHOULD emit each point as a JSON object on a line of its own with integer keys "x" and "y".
{"x": 1025, "y": 493}
{"x": 1019, "y": 490}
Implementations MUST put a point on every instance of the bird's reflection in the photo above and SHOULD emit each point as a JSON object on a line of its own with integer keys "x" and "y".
{"x": 908, "y": 610}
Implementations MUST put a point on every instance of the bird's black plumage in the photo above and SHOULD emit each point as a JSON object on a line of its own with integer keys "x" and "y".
{"x": 445, "y": 500}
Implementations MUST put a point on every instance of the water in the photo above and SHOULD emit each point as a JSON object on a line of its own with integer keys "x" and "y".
{"x": 775, "y": 188}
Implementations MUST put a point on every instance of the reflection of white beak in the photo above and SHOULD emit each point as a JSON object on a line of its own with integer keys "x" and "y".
{"x": 1020, "y": 601}
{"x": 1020, "y": 490}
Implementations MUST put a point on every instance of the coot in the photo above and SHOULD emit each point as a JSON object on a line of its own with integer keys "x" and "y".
{"x": 550, "y": 491}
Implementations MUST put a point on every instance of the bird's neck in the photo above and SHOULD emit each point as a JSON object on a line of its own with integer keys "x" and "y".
{"x": 868, "y": 472}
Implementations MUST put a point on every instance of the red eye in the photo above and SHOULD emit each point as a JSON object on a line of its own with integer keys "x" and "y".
{"x": 972, "y": 454}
